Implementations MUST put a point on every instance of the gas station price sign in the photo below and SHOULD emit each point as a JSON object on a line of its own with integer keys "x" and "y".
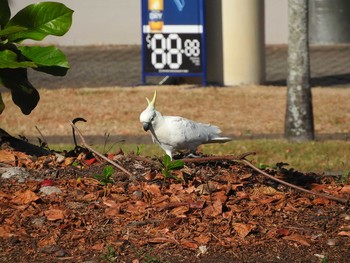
{"x": 173, "y": 39}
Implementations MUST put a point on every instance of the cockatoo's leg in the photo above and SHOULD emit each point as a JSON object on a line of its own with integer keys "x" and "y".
{"x": 192, "y": 155}
{"x": 168, "y": 152}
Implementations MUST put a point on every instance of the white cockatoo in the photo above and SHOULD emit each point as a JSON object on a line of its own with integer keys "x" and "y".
{"x": 174, "y": 133}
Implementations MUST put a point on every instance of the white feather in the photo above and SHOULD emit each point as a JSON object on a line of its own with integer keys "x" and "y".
{"x": 174, "y": 133}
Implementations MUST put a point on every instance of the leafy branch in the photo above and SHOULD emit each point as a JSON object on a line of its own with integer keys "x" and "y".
{"x": 35, "y": 22}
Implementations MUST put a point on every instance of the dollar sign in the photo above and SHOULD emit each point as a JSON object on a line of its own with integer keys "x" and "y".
{"x": 148, "y": 40}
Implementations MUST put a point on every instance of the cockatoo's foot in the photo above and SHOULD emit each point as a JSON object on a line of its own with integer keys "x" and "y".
{"x": 192, "y": 155}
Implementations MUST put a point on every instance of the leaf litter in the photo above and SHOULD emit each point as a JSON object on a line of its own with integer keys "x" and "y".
{"x": 215, "y": 211}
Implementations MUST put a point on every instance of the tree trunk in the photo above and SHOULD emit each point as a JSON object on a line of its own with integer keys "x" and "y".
{"x": 299, "y": 123}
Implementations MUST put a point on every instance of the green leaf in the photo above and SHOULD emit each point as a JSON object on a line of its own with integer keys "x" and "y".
{"x": 41, "y": 19}
{"x": 49, "y": 59}
{"x": 108, "y": 171}
{"x": 24, "y": 95}
{"x": 166, "y": 160}
{"x": 2, "y": 104}
{"x": 11, "y": 30}
{"x": 5, "y": 12}
{"x": 8, "y": 59}
{"x": 178, "y": 164}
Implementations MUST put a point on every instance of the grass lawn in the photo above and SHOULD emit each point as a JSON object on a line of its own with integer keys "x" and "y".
{"x": 318, "y": 156}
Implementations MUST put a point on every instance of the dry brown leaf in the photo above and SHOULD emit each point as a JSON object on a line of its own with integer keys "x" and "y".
{"x": 272, "y": 199}
{"x": 175, "y": 188}
{"x": 161, "y": 240}
{"x": 150, "y": 175}
{"x": 202, "y": 239}
{"x": 6, "y": 231}
{"x": 98, "y": 246}
{"x": 153, "y": 189}
{"x": 344, "y": 233}
{"x": 196, "y": 205}
{"x": 190, "y": 189}
{"x": 112, "y": 211}
{"x": 109, "y": 202}
{"x": 213, "y": 209}
{"x": 160, "y": 201}
{"x": 180, "y": 211}
{"x": 8, "y": 157}
{"x": 91, "y": 197}
{"x": 298, "y": 238}
{"x": 4, "y": 195}
{"x": 242, "y": 229}
{"x": 68, "y": 161}
{"x": 54, "y": 214}
{"x": 23, "y": 198}
{"x": 321, "y": 201}
{"x": 189, "y": 244}
{"x": 345, "y": 189}
{"x": 282, "y": 232}
{"x": 137, "y": 208}
{"x": 220, "y": 196}
{"x": 319, "y": 187}
{"x": 47, "y": 242}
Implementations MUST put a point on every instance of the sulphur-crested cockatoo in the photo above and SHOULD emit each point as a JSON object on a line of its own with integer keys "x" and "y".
{"x": 174, "y": 133}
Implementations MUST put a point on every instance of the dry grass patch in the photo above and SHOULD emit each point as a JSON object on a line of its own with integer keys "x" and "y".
{"x": 237, "y": 110}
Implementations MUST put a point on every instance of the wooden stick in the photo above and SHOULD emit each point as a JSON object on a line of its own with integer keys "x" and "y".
{"x": 242, "y": 158}
{"x": 330, "y": 197}
{"x": 97, "y": 153}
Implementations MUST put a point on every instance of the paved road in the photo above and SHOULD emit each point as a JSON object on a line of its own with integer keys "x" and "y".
{"x": 100, "y": 66}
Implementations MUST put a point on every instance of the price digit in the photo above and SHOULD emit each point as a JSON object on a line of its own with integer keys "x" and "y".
{"x": 166, "y": 51}
{"x": 158, "y": 51}
{"x": 192, "y": 48}
{"x": 174, "y": 52}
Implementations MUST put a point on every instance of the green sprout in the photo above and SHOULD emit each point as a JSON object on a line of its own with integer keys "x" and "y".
{"x": 105, "y": 177}
{"x": 109, "y": 255}
{"x": 139, "y": 149}
{"x": 169, "y": 166}
{"x": 345, "y": 177}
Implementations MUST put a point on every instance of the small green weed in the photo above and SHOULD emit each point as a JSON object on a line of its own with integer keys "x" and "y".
{"x": 150, "y": 259}
{"x": 109, "y": 255}
{"x": 169, "y": 166}
{"x": 139, "y": 149}
{"x": 345, "y": 177}
{"x": 105, "y": 177}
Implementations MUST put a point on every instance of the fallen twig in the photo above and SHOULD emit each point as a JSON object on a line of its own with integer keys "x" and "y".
{"x": 97, "y": 153}
{"x": 330, "y": 197}
{"x": 217, "y": 158}
{"x": 242, "y": 158}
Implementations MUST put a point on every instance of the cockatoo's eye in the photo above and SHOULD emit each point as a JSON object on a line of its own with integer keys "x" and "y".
{"x": 153, "y": 116}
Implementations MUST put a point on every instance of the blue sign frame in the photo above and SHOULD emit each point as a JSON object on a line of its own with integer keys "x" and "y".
{"x": 173, "y": 38}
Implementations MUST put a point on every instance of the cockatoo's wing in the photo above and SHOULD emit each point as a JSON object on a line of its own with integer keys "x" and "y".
{"x": 181, "y": 133}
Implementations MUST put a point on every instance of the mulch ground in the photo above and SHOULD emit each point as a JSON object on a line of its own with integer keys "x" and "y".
{"x": 213, "y": 211}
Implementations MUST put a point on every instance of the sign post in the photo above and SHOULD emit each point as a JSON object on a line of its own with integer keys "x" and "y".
{"x": 173, "y": 38}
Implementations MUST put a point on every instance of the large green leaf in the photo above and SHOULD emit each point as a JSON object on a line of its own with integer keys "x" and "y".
{"x": 48, "y": 59}
{"x": 8, "y": 59}
{"x": 41, "y": 19}
{"x": 12, "y": 30}
{"x": 24, "y": 95}
{"x": 5, "y": 12}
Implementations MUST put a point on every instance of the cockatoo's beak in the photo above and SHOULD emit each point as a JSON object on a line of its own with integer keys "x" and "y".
{"x": 146, "y": 126}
